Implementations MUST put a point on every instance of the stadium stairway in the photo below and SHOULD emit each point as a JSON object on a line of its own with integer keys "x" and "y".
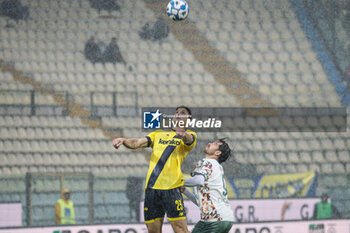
{"x": 75, "y": 110}
{"x": 323, "y": 55}
{"x": 210, "y": 58}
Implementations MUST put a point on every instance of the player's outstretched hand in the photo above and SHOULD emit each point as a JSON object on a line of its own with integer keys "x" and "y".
{"x": 180, "y": 133}
{"x": 117, "y": 142}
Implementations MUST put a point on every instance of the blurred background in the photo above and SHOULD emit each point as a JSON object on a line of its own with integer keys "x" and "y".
{"x": 75, "y": 73}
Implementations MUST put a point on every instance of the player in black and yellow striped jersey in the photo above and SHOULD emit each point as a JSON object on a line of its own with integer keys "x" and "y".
{"x": 164, "y": 177}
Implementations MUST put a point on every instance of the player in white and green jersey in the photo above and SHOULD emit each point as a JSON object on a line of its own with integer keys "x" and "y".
{"x": 210, "y": 190}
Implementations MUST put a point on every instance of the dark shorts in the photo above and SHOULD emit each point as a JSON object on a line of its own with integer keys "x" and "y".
{"x": 212, "y": 227}
{"x": 158, "y": 202}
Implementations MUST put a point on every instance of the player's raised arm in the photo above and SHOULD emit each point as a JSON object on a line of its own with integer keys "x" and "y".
{"x": 132, "y": 143}
{"x": 186, "y": 137}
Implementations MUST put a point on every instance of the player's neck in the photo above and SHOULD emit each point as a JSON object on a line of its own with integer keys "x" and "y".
{"x": 207, "y": 156}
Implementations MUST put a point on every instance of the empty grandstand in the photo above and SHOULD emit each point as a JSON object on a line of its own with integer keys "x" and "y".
{"x": 59, "y": 111}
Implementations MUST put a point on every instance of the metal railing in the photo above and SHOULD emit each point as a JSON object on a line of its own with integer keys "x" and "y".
{"x": 23, "y": 102}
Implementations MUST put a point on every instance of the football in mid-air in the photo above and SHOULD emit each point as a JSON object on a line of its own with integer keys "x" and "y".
{"x": 177, "y": 10}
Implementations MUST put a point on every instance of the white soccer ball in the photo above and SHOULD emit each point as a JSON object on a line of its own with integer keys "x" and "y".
{"x": 177, "y": 10}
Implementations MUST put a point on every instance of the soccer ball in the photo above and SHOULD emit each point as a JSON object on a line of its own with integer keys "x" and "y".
{"x": 177, "y": 10}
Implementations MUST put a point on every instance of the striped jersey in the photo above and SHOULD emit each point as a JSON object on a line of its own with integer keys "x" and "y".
{"x": 169, "y": 151}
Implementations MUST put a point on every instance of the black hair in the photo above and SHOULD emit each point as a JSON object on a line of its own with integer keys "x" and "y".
{"x": 187, "y": 109}
{"x": 225, "y": 151}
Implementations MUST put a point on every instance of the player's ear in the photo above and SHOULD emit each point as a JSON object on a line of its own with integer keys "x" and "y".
{"x": 217, "y": 153}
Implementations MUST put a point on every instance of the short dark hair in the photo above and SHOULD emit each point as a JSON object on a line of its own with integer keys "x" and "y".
{"x": 187, "y": 109}
{"x": 225, "y": 151}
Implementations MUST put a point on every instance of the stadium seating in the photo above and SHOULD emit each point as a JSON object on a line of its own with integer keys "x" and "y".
{"x": 266, "y": 51}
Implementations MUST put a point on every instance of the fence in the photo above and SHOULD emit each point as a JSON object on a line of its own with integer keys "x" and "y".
{"x": 96, "y": 198}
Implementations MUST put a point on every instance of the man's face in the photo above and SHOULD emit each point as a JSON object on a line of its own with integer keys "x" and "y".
{"x": 181, "y": 115}
{"x": 66, "y": 196}
{"x": 213, "y": 148}
{"x": 324, "y": 199}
